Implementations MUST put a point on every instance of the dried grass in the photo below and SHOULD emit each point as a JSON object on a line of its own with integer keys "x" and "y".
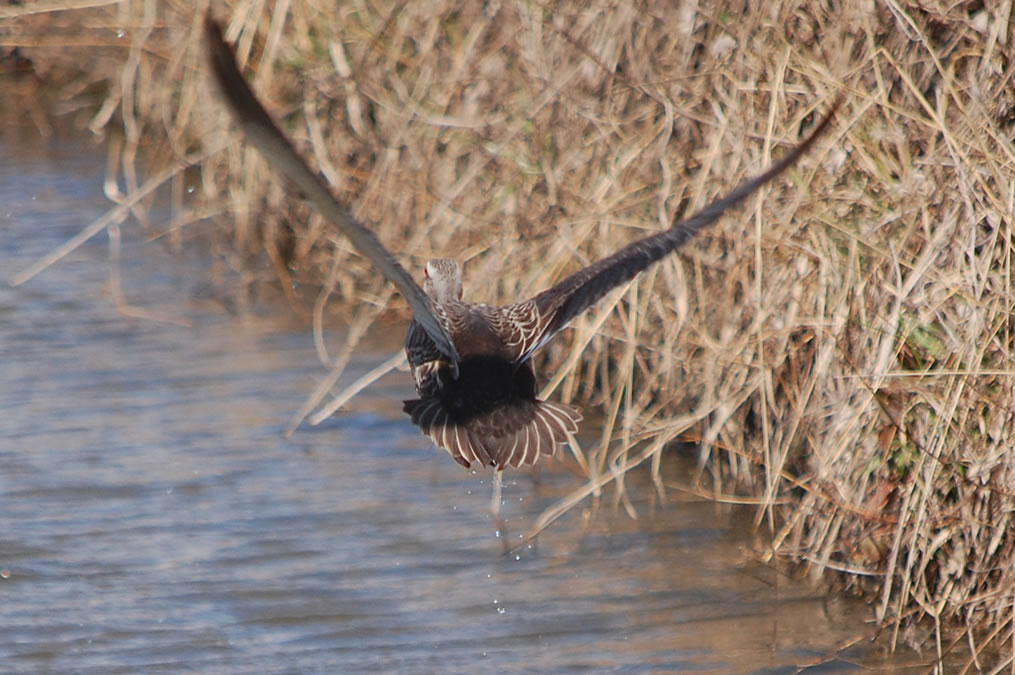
{"x": 845, "y": 341}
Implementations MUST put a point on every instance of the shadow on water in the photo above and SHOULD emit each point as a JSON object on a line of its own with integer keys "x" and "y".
{"x": 153, "y": 516}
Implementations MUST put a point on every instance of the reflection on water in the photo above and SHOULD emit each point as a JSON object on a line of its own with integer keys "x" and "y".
{"x": 153, "y": 516}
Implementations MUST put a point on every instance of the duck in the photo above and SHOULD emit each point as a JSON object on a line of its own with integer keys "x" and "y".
{"x": 472, "y": 362}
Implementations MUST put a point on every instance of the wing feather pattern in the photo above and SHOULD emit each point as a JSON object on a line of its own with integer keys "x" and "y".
{"x": 265, "y": 135}
{"x": 557, "y": 306}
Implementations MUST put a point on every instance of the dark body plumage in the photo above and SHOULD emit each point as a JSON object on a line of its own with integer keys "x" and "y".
{"x": 472, "y": 362}
{"x": 490, "y": 415}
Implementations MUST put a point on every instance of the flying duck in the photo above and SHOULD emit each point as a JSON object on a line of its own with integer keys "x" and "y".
{"x": 472, "y": 363}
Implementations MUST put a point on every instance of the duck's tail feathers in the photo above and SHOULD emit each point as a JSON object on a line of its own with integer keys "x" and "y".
{"x": 515, "y": 435}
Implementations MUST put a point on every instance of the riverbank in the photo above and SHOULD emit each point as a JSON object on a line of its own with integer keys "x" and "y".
{"x": 840, "y": 349}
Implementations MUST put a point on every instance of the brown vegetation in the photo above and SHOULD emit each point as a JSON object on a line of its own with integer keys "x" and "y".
{"x": 845, "y": 340}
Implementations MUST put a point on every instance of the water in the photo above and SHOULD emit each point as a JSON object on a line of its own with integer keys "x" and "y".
{"x": 153, "y": 517}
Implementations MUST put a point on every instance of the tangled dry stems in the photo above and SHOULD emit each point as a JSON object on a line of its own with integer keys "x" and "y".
{"x": 845, "y": 340}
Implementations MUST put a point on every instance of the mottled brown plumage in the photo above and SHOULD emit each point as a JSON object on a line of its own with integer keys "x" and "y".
{"x": 472, "y": 362}
{"x": 489, "y": 413}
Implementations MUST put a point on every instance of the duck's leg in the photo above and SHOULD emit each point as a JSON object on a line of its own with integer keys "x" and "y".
{"x": 495, "y": 503}
{"x": 498, "y": 480}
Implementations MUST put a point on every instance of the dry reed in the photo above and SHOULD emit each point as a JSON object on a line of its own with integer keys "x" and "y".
{"x": 840, "y": 349}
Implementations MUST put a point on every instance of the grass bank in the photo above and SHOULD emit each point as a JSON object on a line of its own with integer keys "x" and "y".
{"x": 840, "y": 349}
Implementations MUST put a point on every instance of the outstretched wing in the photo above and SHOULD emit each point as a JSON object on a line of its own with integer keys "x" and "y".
{"x": 552, "y": 310}
{"x": 276, "y": 148}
